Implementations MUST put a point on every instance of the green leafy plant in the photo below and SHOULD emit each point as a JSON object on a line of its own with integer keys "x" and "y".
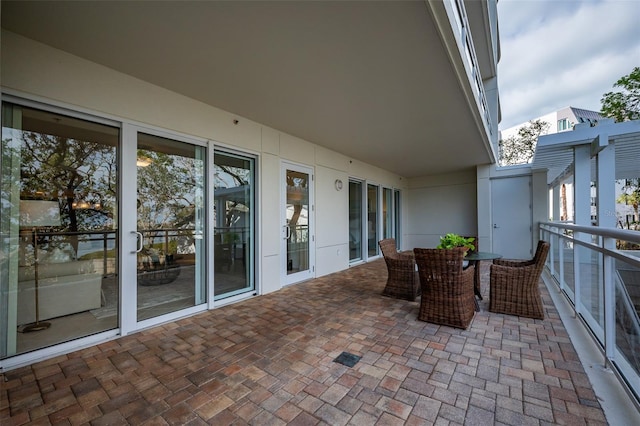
{"x": 450, "y": 241}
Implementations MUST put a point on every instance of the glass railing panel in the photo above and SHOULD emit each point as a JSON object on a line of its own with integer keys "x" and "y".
{"x": 568, "y": 277}
{"x": 592, "y": 289}
{"x": 620, "y": 340}
{"x": 627, "y": 282}
{"x": 555, "y": 248}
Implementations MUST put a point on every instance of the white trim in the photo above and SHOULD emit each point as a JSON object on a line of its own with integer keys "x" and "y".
{"x": 49, "y": 352}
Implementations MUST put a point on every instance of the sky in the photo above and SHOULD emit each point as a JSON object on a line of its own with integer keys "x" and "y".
{"x": 560, "y": 53}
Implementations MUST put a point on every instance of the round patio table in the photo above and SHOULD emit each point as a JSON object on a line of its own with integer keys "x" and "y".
{"x": 474, "y": 258}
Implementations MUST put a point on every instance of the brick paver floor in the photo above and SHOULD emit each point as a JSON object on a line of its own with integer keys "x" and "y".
{"x": 270, "y": 361}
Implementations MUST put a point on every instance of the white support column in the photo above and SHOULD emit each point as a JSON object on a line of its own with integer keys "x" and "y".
{"x": 483, "y": 188}
{"x": 606, "y": 186}
{"x": 540, "y": 202}
{"x": 556, "y": 203}
{"x": 582, "y": 185}
{"x": 581, "y": 212}
{"x": 606, "y": 193}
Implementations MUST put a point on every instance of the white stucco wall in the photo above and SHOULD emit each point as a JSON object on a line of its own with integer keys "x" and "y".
{"x": 441, "y": 204}
{"x": 38, "y": 72}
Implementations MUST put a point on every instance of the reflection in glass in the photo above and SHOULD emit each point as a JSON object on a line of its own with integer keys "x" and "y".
{"x": 372, "y": 218}
{"x": 297, "y": 210}
{"x": 234, "y": 229}
{"x": 59, "y": 210}
{"x": 355, "y": 221}
{"x": 170, "y": 216}
{"x": 396, "y": 216}
{"x": 387, "y": 213}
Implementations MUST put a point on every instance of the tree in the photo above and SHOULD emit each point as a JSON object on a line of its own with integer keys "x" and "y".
{"x": 623, "y": 105}
{"x": 631, "y": 196}
{"x": 520, "y": 149}
{"x": 70, "y": 170}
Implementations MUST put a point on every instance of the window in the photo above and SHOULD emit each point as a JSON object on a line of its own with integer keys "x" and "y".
{"x": 563, "y": 125}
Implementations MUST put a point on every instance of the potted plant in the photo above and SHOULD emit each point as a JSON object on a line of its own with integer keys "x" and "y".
{"x": 451, "y": 240}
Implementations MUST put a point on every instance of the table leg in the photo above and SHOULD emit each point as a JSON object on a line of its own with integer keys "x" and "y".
{"x": 476, "y": 280}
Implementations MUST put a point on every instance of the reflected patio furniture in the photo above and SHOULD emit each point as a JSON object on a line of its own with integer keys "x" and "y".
{"x": 155, "y": 269}
{"x": 447, "y": 288}
{"x": 402, "y": 281}
{"x": 514, "y": 285}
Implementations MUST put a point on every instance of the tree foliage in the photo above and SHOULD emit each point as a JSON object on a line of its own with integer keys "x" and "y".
{"x": 631, "y": 196}
{"x": 623, "y": 105}
{"x": 70, "y": 170}
{"x": 520, "y": 149}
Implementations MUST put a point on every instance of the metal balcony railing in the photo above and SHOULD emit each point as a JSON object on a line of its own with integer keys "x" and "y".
{"x": 598, "y": 270}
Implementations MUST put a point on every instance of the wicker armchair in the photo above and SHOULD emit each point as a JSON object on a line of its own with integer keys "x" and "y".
{"x": 447, "y": 289}
{"x": 514, "y": 285}
{"x": 403, "y": 282}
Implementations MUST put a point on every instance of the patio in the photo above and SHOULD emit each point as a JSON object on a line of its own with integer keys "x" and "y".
{"x": 270, "y": 360}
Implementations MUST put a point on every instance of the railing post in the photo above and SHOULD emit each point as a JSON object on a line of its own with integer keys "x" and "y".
{"x": 561, "y": 260}
{"x": 609, "y": 302}
{"x": 577, "y": 287}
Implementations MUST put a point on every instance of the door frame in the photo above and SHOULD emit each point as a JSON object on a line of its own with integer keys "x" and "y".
{"x": 309, "y": 273}
{"x": 501, "y": 242}
{"x": 127, "y": 227}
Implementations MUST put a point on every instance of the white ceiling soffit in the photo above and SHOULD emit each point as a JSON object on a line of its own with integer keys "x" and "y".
{"x": 555, "y": 152}
{"x": 371, "y": 80}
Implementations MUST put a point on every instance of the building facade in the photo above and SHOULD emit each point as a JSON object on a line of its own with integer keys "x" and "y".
{"x": 561, "y": 120}
{"x": 160, "y": 160}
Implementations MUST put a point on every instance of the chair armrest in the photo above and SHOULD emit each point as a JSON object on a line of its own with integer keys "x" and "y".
{"x": 400, "y": 262}
{"x": 512, "y": 274}
{"x": 514, "y": 263}
{"x": 469, "y": 271}
{"x": 406, "y": 255}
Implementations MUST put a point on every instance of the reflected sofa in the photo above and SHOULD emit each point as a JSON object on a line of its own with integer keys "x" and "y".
{"x": 65, "y": 286}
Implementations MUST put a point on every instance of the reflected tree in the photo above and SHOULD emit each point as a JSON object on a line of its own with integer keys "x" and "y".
{"x": 80, "y": 175}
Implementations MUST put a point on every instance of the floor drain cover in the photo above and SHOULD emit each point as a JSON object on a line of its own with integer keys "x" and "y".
{"x": 345, "y": 358}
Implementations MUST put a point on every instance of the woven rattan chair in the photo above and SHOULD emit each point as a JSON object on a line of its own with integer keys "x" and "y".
{"x": 447, "y": 289}
{"x": 514, "y": 285}
{"x": 402, "y": 281}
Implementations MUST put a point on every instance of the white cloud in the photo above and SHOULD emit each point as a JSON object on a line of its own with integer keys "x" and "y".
{"x": 563, "y": 53}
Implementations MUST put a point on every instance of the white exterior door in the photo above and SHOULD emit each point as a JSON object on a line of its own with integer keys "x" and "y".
{"x": 298, "y": 239}
{"x": 512, "y": 216}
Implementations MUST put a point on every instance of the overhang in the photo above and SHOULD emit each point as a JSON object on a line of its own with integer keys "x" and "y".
{"x": 379, "y": 82}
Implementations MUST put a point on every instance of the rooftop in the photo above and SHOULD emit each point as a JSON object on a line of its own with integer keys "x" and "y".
{"x": 271, "y": 360}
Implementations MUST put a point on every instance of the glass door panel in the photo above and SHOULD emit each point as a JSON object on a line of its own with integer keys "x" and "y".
{"x": 355, "y": 221}
{"x": 297, "y": 224}
{"x": 396, "y": 218}
{"x": 59, "y": 182}
{"x": 372, "y": 220}
{"x": 234, "y": 218}
{"x": 387, "y": 213}
{"x": 170, "y": 269}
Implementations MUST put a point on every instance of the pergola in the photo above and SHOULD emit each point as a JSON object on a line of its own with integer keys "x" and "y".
{"x": 595, "y": 156}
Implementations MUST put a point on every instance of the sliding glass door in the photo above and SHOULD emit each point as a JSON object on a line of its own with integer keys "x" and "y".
{"x": 170, "y": 272}
{"x": 234, "y": 212}
{"x": 59, "y": 221}
{"x": 355, "y": 221}
{"x": 372, "y": 220}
